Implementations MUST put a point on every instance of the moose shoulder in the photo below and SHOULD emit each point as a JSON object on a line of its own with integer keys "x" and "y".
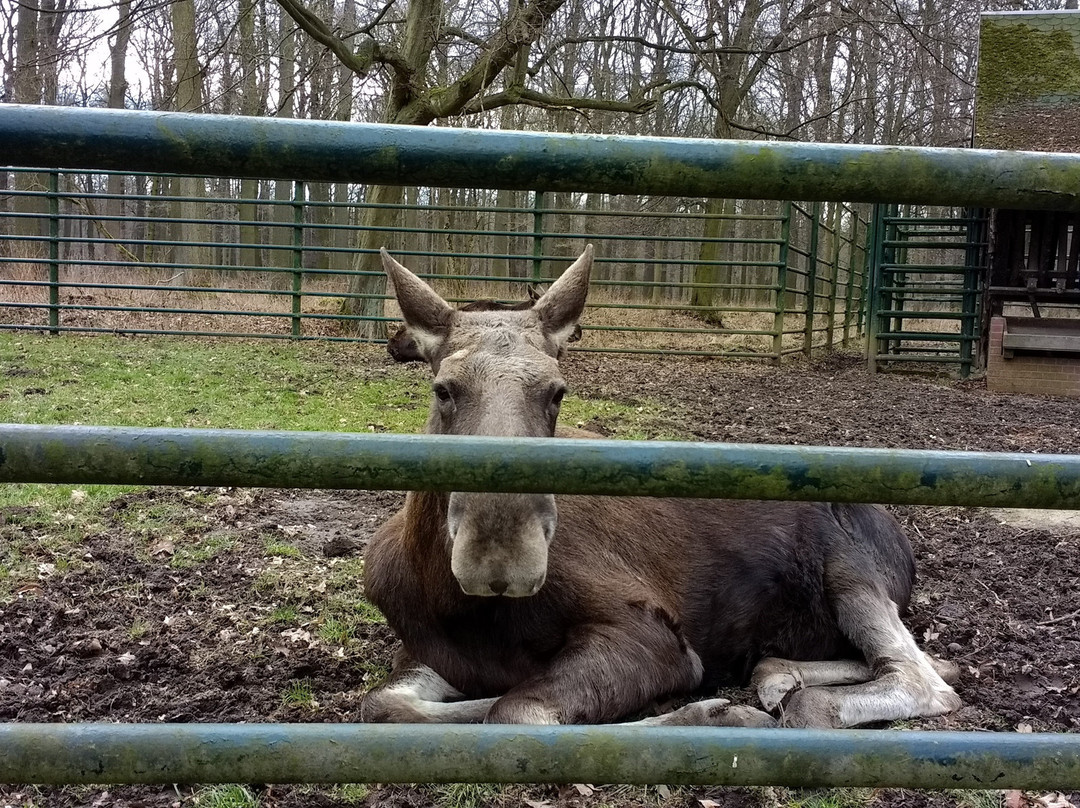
{"x": 524, "y": 608}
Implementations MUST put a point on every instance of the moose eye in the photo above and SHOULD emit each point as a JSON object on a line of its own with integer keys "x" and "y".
{"x": 442, "y": 393}
{"x": 557, "y": 396}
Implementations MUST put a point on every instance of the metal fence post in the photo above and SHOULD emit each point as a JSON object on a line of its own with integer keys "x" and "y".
{"x": 781, "y": 284}
{"x": 54, "y": 252}
{"x": 538, "y": 235}
{"x": 811, "y": 278}
{"x": 974, "y": 260}
{"x": 849, "y": 297}
{"x": 834, "y": 280}
{"x": 872, "y": 282}
{"x": 298, "y": 256}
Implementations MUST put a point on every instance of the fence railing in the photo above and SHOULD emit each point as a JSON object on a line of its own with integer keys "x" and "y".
{"x": 79, "y": 753}
{"x": 351, "y": 753}
{"x": 91, "y": 140}
{"x": 128, "y": 253}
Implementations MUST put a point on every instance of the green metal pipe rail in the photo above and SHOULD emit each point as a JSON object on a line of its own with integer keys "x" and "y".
{"x": 327, "y": 753}
{"x": 238, "y": 146}
{"x": 222, "y": 457}
{"x": 162, "y": 753}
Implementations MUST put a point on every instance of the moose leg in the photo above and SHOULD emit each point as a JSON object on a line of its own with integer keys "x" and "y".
{"x": 416, "y": 694}
{"x": 776, "y": 679}
{"x": 904, "y": 682}
{"x": 605, "y": 672}
{"x": 710, "y": 713}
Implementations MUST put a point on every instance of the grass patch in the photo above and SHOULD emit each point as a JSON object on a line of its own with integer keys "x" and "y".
{"x": 201, "y": 383}
{"x": 368, "y": 613}
{"x": 284, "y": 615}
{"x": 174, "y": 382}
{"x": 334, "y": 630}
{"x": 209, "y": 548}
{"x": 828, "y": 798}
{"x": 467, "y": 795}
{"x": 138, "y": 628}
{"x": 225, "y": 797}
{"x": 282, "y": 549}
{"x": 977, "y": 799}
{"x": 640, "y": 421}
{"x": 374, "y": 673}
{"x": 299, "y": 694}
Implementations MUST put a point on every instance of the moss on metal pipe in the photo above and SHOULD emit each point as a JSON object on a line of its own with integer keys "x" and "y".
{"x": 329, "y": 753}
{"x": 213, "y": 457}
{"x": 273, "y": 148}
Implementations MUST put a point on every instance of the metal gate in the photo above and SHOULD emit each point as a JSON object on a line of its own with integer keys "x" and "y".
{"x": 927, "y": 267}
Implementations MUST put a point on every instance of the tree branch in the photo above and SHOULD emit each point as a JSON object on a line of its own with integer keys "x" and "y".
{"x": 368, "y": 54}
{"x": 522, "y": 27}
{"x": 522, "y": 95}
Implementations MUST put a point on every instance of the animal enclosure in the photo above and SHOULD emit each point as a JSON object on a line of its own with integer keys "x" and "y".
{"x": 1027, "y": 480}
{"x": 122, "y": 253}
{"x": 243, "y": 559}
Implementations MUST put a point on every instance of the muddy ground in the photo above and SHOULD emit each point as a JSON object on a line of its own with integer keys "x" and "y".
{"x": 220, "y": 605}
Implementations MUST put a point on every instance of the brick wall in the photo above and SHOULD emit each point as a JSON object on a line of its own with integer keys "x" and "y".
{"x": 1037, "y": 374}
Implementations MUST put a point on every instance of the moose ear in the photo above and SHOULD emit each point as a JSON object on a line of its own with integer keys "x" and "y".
{"x": 426, "y": 314}
{"x": 561, "y": 306}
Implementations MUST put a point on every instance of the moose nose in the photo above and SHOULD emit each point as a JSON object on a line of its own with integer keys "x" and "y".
{"x": 499, "y": 587}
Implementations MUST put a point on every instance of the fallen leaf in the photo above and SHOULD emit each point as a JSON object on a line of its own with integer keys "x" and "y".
{"x": 163, "y": 547}
{"x": 1022, "y": 727}
{"x": 1014, "y": 799}
{"x": 538, "y": 803}
{"x": 1055, "y": 799}
{"x": 664, "y": 792}
{"x": 708, "y": 803}
{"x": 584, "y": 790}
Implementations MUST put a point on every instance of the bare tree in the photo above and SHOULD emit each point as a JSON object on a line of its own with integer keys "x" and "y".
{"x": 26, "y": 89}
{"x": 118, "y": 86}
{"x": 189, "y": 230}
{"x": 405, "y": 50}
{"x": 250, "y": 104}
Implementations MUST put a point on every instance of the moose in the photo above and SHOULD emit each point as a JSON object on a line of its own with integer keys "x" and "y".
{"x": 537, "y": 609}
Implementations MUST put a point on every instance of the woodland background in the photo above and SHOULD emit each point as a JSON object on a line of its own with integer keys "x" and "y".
{"x": 862, "y": 71}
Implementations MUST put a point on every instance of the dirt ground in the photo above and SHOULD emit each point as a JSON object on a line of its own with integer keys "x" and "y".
{"x": 127, "y": 636}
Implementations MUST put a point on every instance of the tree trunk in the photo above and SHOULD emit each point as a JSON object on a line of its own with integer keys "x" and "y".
{"x": 373, "y": 286}
{"x": 403, "y": 106}
{"x": 343, "y": 112}
{"x": 283, "y": 189}
{"x": 114, "y": 206}
{"x": 27, "y": 90}
{"x": 191, "y": 252}
{"x": 249, "y": 255}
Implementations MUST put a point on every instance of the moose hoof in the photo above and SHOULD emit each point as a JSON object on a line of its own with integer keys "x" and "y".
{"x": 775, "y": 681}
{"x": 948, "y": 671}
{"x": 714, "y": 713}
{"x": 774, "y": 689}
{"x": 812, "y": 707}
